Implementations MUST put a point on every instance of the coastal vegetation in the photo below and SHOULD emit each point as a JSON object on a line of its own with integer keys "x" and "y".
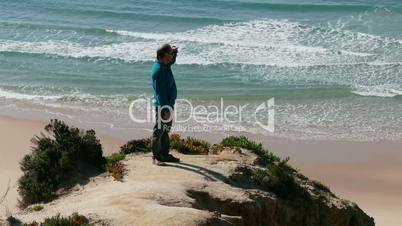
{"x": 136, "y": 146}
{"x": 115, "y": 166}
{"x": 66, "y": 152}
{"x": 74, "y": 220}
{"x": 57, "y": 160}
{"x": 189, "y": 145}
{"x": 37, "y": 208}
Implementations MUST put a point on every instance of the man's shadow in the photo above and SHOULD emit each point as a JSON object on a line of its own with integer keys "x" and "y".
{"x": 207, "y": 173}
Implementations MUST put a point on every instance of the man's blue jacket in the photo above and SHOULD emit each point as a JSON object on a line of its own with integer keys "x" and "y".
{"x": 164, "y": 85}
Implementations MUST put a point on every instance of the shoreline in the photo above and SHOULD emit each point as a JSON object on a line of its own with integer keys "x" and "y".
{"x": 367, "y": 173}
{"x": 118, "y": 124}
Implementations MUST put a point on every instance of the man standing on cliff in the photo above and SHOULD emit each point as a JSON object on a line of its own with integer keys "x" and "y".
{"x": 165, "y": 93}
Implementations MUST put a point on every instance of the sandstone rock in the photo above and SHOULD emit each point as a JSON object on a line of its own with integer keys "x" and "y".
{"x": 202, "y": 190}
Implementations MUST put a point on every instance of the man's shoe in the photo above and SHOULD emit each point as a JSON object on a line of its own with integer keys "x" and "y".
{"x": 156, "y": 160}
{"x": 169, "y": 158}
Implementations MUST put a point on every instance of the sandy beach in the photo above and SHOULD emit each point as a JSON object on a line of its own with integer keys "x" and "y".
{"x": 366, "y": 173}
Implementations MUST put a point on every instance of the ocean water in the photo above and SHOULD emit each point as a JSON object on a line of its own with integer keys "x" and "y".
{"x": 334, "y": 67}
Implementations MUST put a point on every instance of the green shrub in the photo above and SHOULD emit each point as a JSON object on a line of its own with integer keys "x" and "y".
{"x": 37, "y": 208}
{"x": 175, "y": 141}
{"x": 56, "y": 221}
{"x": 115, "y": 157}
{"x": 55, "y": 160}
{"x": 193, "y": 146}
{"x": 78, "y": 220}
{"x": 136, "y": 146}
{"x": 116, "y": 169}
{"x": 114, "y": 165}
{"x": 276, "y": 178}
{"x": 243, "y": 142}
{"x": 322, "y": 187}
{"x": 265, "y": 157}
{"x": 189, "y": 145}
{"x": 13, "y": 221}
{"x": 282, "y": 181}
{"x": 216, "y": 148}
{"x": 74, "y": 220}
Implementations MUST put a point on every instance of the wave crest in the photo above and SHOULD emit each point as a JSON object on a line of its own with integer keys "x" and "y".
{"x": 261, "y": 42}
{"x": 378, "y": 91}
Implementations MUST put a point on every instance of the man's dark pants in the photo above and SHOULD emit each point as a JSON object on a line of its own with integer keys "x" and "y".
{"x": 160, "y": 136}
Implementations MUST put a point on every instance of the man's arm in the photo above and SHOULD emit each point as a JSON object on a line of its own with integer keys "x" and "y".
{"x": 175, "y": 51}
{"x": 173, "y": 60}
{"x": 172, "y": 91}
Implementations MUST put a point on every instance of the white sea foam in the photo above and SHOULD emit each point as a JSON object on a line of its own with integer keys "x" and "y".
{"x": 24, "y": 96}
{"x": 267, "y": 49}
{"x": 261, "y": 42}
{"x": 378, "y": 91}
{"x": 55, "y": 97}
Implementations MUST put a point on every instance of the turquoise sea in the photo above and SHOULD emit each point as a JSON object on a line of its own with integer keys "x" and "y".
{"x": 334, "y": 67}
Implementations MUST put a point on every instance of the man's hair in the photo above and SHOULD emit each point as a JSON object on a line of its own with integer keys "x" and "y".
{"x": 165, "y": 48}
